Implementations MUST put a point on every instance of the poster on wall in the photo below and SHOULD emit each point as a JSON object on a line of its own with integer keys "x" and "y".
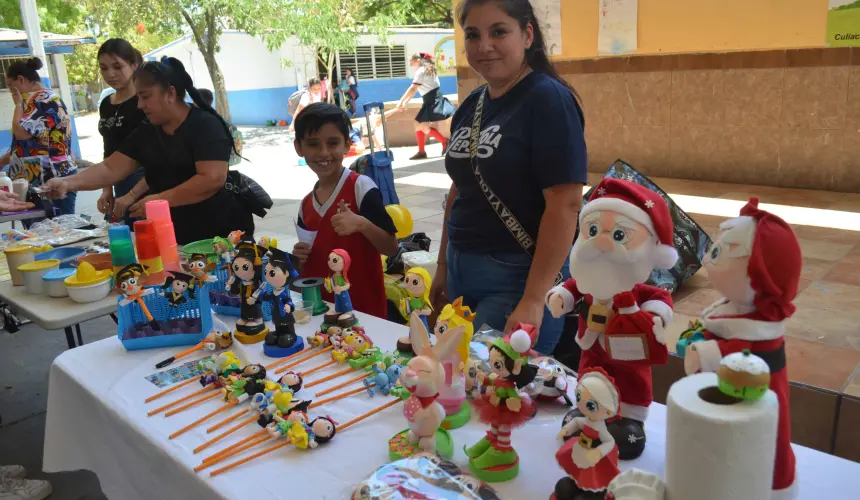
{"x": 616, "y": 32}
{"x": 843, "y": 23}
{"x": 445, "y": 54}
{"x": 548, "y": 13}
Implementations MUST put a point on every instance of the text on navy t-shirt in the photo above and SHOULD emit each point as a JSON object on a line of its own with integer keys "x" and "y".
{"x": 532, "y": 138}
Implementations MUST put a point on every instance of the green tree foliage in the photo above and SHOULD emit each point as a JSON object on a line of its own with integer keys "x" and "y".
{"x": 438, "y": 12}
{"x": 324, "y": 26}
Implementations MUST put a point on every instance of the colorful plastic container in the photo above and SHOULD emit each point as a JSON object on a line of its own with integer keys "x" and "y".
{"x": 121, "y": 247}
{"x": 34, "y": 272}
{"x": 147, "y": 246}
{"x": 54, "y": 282}
{"x": 66, "y": 255}
{"x": 187, "y": 324}
{"x": 88, "y": 284}
{"x": 19, "y": 255}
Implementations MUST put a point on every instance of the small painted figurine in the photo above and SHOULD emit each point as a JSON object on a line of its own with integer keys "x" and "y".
{"x": 176, "y": 285}
{"x": 319, "y": 431}
{"x": 338, "y": 282}
{"x": 251, "y": 381}
{"x": 417, "y": 283}
{"x": 292, "y": 380}
{"x": 354, "y": 345}
{"x": 553, "y": 383}
{"x": 452, "y": 394}
{"x": 221, "y": 247}
{"x": 503, "y": 406}
{"x": 244, "y": 282}
{"x": 591, "y": 460}
{"x": 199, "y": 267}
{"x": 220, "y": 365}
{"x": 422, "y": 378}
{"x": 129, "y": 279}
{"x": 267, "y": 242}
{"x": 279, "y": 274}
{"x": 384, "y": 378}
{"x": 283, "y": 404}
{"x": 216, "y": 341}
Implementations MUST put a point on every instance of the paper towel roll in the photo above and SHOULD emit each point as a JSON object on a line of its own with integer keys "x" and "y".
{"x": 718, "y": 451}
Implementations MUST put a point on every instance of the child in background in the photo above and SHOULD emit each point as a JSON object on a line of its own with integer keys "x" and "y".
{"x": 344, "y": 210}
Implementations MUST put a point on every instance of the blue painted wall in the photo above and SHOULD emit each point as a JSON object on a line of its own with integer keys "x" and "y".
{"x": 257, "y": 106}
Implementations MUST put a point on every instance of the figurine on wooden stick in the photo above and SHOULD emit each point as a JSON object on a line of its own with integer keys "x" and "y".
{"x": 246, "y": 266}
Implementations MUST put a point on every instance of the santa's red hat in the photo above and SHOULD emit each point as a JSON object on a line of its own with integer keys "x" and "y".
{"x": 775, "y": 264}
{"x": 641, "y": 205}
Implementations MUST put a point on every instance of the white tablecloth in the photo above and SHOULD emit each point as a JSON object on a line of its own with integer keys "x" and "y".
{"x": 97, "y": 421}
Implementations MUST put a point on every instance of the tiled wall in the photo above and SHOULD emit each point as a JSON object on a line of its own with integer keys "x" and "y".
{"x": 788, "y": 118}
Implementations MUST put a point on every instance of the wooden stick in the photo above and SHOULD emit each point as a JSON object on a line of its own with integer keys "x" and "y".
{"x": 249, "y": 458}
{"x": 227, "y": 421}
{"x": 258, "y": 434}
{"x": 303, "y": 359}
{"x": 318, "y": 368}
{"x": 343, "y": 384}
{"x": 220, "y": 458}
{"x": 224, "y": 434}
{"x": 192, "y": 425}
{"x": 192, "y": 403}
{"x": 177, "y": 386}
{"x": 180, "y": 400}
{"x": 329, "y": 377}
{"x": 291, "y": 356}
{"x": 182, "y": 354}
{"x": 337, "y": 397}
{"x": 359, "y": 418}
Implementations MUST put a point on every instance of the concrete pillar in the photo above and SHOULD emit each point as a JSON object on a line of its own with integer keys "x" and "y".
{"x": 66, "y": 95}
{"x": 30, "y": 20}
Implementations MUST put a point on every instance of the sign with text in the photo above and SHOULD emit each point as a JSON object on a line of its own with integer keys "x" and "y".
{"x": 617, "y": 32}
{"x": 843, "y": 23}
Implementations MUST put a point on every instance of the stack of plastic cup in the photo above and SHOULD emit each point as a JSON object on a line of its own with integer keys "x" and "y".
{"x": 147, "y": 246}
{"x": 158, "y": 211}
{"x": 121, "y": 247}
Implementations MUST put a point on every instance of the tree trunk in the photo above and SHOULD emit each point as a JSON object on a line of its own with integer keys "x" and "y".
{"x": 206, "y": 38}
{"x": 222, "y": 105}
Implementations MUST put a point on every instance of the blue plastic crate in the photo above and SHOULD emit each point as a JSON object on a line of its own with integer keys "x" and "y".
{"x": 191, "y": 321}
{"x": 228, "y": 304}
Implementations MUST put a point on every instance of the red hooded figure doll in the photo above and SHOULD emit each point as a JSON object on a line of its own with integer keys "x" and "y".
{"x": 756, "y": 264}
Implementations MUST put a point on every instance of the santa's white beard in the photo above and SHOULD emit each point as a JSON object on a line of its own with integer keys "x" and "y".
{"x": 603, "y": 275}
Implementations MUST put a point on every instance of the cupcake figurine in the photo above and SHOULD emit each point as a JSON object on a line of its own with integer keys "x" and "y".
{"x": 591, "y": 461}
{"x": 743, "y": 375}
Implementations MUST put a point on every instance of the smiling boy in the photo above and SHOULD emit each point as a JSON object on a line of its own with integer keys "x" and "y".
{"x": 344, "y": 210}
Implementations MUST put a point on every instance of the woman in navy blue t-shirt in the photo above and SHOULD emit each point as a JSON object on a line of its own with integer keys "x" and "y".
{"x": 509, "y": 228}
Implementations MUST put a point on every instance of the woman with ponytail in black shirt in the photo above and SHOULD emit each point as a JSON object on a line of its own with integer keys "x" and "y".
{"x": 184, "y": 151}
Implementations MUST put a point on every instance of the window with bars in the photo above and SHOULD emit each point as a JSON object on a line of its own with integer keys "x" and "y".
{"x": 373, "y": 62}
{"x": 5, "y": 62}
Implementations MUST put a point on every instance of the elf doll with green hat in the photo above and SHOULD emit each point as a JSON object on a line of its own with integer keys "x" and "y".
{"x": 503, "y": 406}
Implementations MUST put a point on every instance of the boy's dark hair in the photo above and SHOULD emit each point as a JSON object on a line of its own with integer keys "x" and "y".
{"x": 207, "y": 96}
{"x": 315, "y": 115}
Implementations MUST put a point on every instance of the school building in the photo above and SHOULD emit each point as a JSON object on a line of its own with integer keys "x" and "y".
{"x": 259, "y": 83}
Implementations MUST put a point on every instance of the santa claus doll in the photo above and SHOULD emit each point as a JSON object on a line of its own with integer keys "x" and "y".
{"x": 756, "y": 264}
{"x": 625, "y": 231}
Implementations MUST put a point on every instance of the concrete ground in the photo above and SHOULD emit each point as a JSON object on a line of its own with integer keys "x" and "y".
{"x": 26, "y": 356}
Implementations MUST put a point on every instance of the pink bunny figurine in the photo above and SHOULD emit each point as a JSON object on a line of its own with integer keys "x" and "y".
{"x": 423, "y": 377}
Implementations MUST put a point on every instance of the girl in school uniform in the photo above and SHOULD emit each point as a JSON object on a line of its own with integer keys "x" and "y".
{"x": 436, "y": 108}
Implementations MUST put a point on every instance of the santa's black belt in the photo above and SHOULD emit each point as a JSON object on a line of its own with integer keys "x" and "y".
{"x": 586, "y": 442}
{"x": 775, "y": 358}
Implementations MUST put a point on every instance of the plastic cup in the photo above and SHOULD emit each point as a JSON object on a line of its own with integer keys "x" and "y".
{"x": 157, "y": 210}
{"x": 19, "y": 255}
{"x": 122, "y": 254}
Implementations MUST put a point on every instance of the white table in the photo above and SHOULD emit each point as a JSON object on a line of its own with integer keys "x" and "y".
{"x": 55, "y": 313}
{"x": 96, "y": 421}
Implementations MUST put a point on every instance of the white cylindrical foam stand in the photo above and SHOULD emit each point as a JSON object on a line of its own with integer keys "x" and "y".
{"x": 718, "y": 451}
